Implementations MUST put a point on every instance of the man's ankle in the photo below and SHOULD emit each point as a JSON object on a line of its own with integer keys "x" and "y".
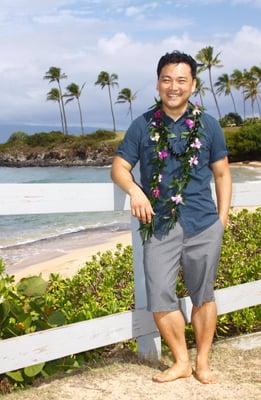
{"x": 202, "y": 360}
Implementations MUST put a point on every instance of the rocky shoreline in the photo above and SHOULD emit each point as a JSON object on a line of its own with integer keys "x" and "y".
{"x": 55, "y": 158}
{"x": 87, "y": 157}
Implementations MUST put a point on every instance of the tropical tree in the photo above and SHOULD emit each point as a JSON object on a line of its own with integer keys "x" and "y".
{"x": 105, "y": 79}
{"x": 200, "y": 90}
{"x": 54, "y": 95}
{"x": 251, "y": 90}
{"x": 126, "y": 96}
{"x": 54, "y": 74}
{"x": 238, "y": 81}
{"x": 256, "y": 72}
{"x": 224, "y": 86}
{"x": 74, "y": 92}
{"x": 208, "y": 60}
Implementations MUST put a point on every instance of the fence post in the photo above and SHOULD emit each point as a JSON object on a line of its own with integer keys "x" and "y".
{"x": 149, "y": 346}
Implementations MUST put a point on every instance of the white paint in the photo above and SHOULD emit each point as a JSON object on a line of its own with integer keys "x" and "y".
{"x": 43, "y": 198}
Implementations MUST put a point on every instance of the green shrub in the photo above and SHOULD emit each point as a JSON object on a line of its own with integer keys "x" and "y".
{"x": 231, "y": 119}
{"x": 18, "y": 136}
{"x": 105, "y": 286}
{"x": 102, "y": 134}
{"x": 46, "y": 138}
{"x": 244, "y": 143}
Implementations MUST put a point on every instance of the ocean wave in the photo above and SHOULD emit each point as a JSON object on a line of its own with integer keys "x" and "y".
{"x": 112, "y": 226}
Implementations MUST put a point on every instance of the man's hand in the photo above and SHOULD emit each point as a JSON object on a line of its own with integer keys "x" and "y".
{"x": 223, "y": 219}
{"x": 140, "y": 205}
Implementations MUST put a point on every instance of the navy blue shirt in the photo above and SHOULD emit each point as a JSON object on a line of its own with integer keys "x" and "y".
{"x": 199, "y": 210}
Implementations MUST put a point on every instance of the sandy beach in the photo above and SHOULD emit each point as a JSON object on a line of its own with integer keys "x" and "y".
{"x": 67, "y": 257}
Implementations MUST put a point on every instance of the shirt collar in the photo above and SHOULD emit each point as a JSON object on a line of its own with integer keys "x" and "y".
{"x": 169, "y": 120}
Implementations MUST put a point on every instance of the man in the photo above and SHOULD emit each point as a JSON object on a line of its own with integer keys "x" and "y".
{"x": 179, "y": 147}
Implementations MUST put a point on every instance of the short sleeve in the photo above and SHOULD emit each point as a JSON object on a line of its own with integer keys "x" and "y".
{"x": 129, "y": 149}
{"x": 218, "y": 148}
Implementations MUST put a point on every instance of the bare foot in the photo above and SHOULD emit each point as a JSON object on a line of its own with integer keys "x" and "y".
{"x": 205, "y": 376}
{"x": 175, "y": 372}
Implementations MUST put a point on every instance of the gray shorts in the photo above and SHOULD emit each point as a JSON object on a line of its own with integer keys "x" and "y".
{"x": 198, "y": 255}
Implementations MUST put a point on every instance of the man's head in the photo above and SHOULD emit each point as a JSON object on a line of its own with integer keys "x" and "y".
{"x": 176, "y": 57}
{"x": 176, "y": 81}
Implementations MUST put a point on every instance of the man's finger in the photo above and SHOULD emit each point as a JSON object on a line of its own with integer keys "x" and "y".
{"x": 143, "y": 215}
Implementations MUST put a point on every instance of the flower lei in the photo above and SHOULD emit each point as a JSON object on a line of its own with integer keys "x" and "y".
{"x": 160, "y": 134}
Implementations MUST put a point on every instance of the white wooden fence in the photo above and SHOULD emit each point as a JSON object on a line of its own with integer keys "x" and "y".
{"x": 58, "y": 342}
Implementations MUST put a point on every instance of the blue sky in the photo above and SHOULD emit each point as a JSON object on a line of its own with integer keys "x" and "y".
{"x": 126, "y": 37}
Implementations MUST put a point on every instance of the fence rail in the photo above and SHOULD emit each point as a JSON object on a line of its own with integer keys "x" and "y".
{"x": 54, "y": 343}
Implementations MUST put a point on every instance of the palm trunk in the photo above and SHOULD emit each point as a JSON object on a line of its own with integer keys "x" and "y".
{"x": 113, "y": 119}
{"x": 234, "y": 104}
{"x": 252, "y": 105}
{"x": 63, "y": 109}
{"x": 258, "y": 106}
{"x": 244, "y": 105}
{"x": 131, "y": 112}
{"x": 201, "y": 99}
{"x": 80, "y": 111}
{"x": 212, "y": 90}
{"x": 61, "y": 115}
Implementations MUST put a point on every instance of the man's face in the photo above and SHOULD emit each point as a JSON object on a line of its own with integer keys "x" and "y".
{"x": 175, "y": 85}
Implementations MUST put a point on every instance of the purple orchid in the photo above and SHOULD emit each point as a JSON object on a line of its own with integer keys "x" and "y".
{"x": 156, "y": 192}
{"x": 177, "y": 199}
{"x": 193, "y": 161}
{"x": 157, "y": 114}
{"x": 190, "y": 123}
{"x": 197, "y": 144}
{"x": 163, "y": 154}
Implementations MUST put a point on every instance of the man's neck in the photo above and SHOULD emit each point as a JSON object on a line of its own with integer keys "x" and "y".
{"x": 176, "y": 113}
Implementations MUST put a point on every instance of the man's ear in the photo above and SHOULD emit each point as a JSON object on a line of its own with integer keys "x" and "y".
{"x": 194, "y": 84}
{"x": 157, "y": 86}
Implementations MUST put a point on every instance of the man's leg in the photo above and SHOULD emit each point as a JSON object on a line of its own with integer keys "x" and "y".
{"x": 204, "y": 324}
{"x": 161, "y": 266}
{"x": 200, "y": 258}
{"x": 171, "y": 325}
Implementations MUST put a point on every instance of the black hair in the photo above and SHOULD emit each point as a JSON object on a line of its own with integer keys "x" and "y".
{"x": 177, "y": 57}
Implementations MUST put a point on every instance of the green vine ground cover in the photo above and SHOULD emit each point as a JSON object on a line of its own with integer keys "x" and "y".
{"x": 105, "y": 286}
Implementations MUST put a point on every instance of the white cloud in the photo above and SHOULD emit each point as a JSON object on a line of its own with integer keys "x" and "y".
{"x": 114, "y": 44}
{"x": 254, "y": 3}
{"x": 131, "y": 11}
{"x": 138, "y": 10}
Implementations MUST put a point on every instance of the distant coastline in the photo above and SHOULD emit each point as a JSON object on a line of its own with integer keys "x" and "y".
{"x": 55, "y": 149}
{"x": 99, "y": 160}
{"x": 43, "y": 160}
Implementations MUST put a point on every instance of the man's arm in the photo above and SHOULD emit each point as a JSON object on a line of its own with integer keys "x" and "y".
{"x": 121, "y": 175}
{"x": 223, "y": 186}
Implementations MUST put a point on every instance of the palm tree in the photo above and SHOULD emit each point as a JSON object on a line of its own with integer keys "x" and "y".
{"x": 126, "y": 96}
{"x": 54, "y": 74}
{"x": 200, "y": 90}
{"x": 54, "y": 95}
{"x": 105, "y": 79}
{"x": 251, "y": 90}
{"x": 224, "y": 84}
{"x": 206, "y": 57}
{"x": 256, "y": 72}
{"x": 74, "y": 92}
{"x": 238, "y": 81}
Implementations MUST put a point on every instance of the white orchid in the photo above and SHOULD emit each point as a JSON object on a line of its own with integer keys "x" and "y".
{"x": 156, "y": 137}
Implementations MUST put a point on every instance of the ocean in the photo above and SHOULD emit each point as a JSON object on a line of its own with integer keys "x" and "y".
{"x": 21, "y": 235}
